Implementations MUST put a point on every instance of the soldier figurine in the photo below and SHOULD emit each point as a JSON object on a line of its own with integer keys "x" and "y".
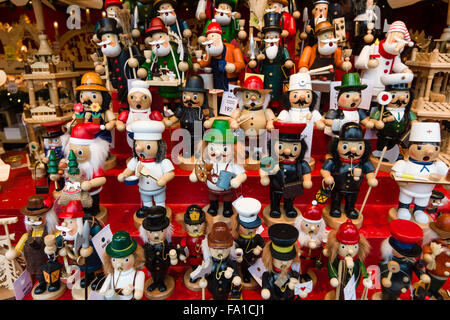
{"x": 347, "y": 168}
{"x": 434, "y": 203}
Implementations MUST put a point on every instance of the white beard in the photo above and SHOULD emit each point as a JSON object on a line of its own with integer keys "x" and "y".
{"x": 162, "y": 51}
{"x": 389, "y": 48}
{"x": 272, "y": 51}
{"x": 304, "y": 238}
{"x": 386, "y": 250}
{"x": 214, "y": 51}
{"x": 168, "y": 20}
{"x": 327, "y": 49}
{"x": 111, "y": 51}
{"x": 223, "y": 20}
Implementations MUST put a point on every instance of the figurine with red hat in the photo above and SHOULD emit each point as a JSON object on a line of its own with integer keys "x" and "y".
{"x": 436, "y": 253}
{"x": 291, "y": 175}
{"x": 253, "y": 115}
{"x": 226, "y": 60}
{"x": 311, "y": 238}
{"x": 111, "y": 7}
{"x": 400, "y": 253}
{"x": 287, "y": 20}
{"x": 54, "y": 139}
{"x": 346, "y": 250}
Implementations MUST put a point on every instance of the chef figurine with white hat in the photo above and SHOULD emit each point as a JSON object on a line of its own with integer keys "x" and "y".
{"x": 149, "y": 163}
{"x": 422, "y": 164}
{"x": 245, "y": 234}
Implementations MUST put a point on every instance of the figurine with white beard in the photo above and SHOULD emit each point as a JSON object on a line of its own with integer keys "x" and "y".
{"x": 384, "y": 58}
{"x": 166, "y": 11}
{"x": 287, "y": 21}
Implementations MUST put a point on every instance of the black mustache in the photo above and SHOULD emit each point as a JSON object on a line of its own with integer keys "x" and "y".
{"x": 351, "y": 154}
{"x": 88, "y": 102}
{"x": 300, "y": 102}
{"x": 399, "y": 103}
{"x": 190, "y": 101}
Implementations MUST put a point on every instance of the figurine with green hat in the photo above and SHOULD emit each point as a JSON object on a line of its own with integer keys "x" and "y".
{"x": 349, "y": 99}
{"x": 220, "y": 172}
{"x": 122, "y": 262}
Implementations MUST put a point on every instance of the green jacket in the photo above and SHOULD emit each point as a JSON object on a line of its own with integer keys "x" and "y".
{"x": 274, "y": 76}
{"x": 358, "y": 269}
{"x": 394, "y": 128}
{"x": 229, "y": 32}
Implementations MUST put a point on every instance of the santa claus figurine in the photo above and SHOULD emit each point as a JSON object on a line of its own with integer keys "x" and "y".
{"x": 287, "y": 21}
{"x": 166, "y": 12}
{"x": 384, "y": 58}
{"x": 224, "y": 58}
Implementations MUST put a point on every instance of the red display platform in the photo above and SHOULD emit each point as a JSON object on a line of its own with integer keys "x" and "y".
{"x": 122, "y": 201}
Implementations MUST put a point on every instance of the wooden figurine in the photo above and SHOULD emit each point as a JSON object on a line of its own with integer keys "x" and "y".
{"x": 54, "y": 140}
{"x": 436, "y": 201}
{"x": 290, "y": 176}
{"x": 384, "y": 58}
{"x": 252, "y": 113}
{"x": 123, "y": 259}
{"x": 399, "y": 259}
{"x": 40, "y": 220}
{"x": 346, "y": 170}
{"x": 111, "y": 8}
{"x": 166, "y": 12}
{"x": 279, "y": 280}
{"x": 418, "y": 175}
{"x": 393, "y": 120}
{"x": 346, "y": 249}
{"x": 367, "y": 24}
{"x": 195, "y": 226}
{"x": 140, "y": 108}
{"x": 349, "y": 99}
{"x": 225, "y": 59}
{"x": 160, "y": 253}
{"x": 221, "y": 173}
{"x": 436, "y": 253}
{"x": 311, "y": 238}
{"x": 246, "y": 237}
{"x": 219, "y": 271}
{"x": 149, "y": 163}
{"x": 287, "y": 21}
{"x": 319, "y": 14}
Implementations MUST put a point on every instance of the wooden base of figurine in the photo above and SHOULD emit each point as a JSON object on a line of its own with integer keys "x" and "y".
{"x": 385, "y": 166}
{"x": 78, "y": 292}
{"x": 376, "y": 296}
{"x": 110, "y": 162}
{"x": 138, "y": 221}
{"x": 268, "y": 220}
{"x": 210, "y": 220}
{"x": 49, "y": 295}
{"x": 102, "y": 216}
{"x": 187, "y": 164}
{"x": 331, "y": 295}
{"x": 252, "y": 285}
{"x": 156, "y": 294}
{"x": 313, "y": 277}
{"x": 335, "y": 223}
{"x": 6, "y": 294}
{"x": 393, "y": 215}
{"x": 193, "y": 286}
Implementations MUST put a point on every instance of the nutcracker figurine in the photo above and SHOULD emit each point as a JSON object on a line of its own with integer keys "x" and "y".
{"x": 54, "y": 141}
{"x": 367, "y": 24}
{"x": 400, "y": 252}
{"x": 292, "y": 174}
{"x": 40, "y": 221}
{"x": 149, "y": 163}
{"x": 287, "y": 22}
{"x": 123, "y": 259}
{"x": 223, "y": 174}
{"x": 347, "y": 168}
{"x": 245, "y": 234}
{"x": 279, "y": 280}
{"x": 421, "y": 166}
{"x": 166, "y": 11}
{"x": 436, "y": 200}
{"x": 320, "y": 14}
{"x": 436, "y": 254}
{"x": 347, "y": 249}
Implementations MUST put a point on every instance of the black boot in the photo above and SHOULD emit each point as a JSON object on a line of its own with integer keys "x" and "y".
{"x": 89, "y": 278}
{"x": 335, "y": 207}
{"x": 227, "y": 209}
{"x": 42, "y": 286}
{"x": 289, "y": 208}
{"x": 353, "y": 214}
{"x": 275, "y": 199}
{"x": 152, "y": 287}
{"x": 213, "y": 207}
{"x": 53, "y": 287}
{"x": 142, "y": 212}
{"x": 162, "y": 287}
{"x": 350, "y": 200}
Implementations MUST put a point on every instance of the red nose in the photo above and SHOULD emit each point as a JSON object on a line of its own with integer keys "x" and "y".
{"x": 104, "y": 46}
{"x": 330, "y": 44}
{"x": 272, "y": 44}
{"x": 157, "y": 46}
{"x": 167, "y": 13}
{"x": 221, "y": 14}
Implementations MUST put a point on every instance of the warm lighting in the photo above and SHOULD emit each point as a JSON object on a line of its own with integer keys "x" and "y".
{"x": 55, "y": 24}
{"x": 23, "y": 49}
{"x": 104, "y": 14}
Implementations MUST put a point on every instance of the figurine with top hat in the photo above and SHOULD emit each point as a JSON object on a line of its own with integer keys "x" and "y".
{"x": 219, "y": 272}
{"x": 195, "y": 227}
{"x": 253, "y": 115}
{"x": 345, "y": 170}
{"x": 156, "y": 232}
{"x": 220, "y": 170}
{"x": 40, "y": 221}
{"x": 140, "y": 108}
{"x": 436, "y": 255}
{"x": 226, "y": 60}
{"x": 246, "y": 236}
{"x": 192, "y": 113}
{"x": 437, "y": 199}
{"x": 420, "y": 172}
{"x": 287, "y": 20}
{"x": 346, "y": 250}
{"x": 400, "y": 253}
{"x": 287, "y": 178}
{"x": 349, "y": 99}
{"x": 397, "y": 116}
{"x": 166, "y": 12}
{"x": 149, "y": 164}
{"x": 123, "y": 260}
{"x": 279, "y": 279}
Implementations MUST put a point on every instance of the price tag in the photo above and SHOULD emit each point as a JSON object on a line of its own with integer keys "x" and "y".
{"x": 101, "y": 240}
{"x": 229, "y": 103}
{"x": 22, "y": 285}
{"x": 260, "y": 230}
{"x": 257, "y": 270}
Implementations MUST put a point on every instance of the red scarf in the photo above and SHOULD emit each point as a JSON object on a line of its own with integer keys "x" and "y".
{"x": 383, "y": 52}
{"x": 347, "y": 109}
{"x": 349, "y": 161}
{"x": 288, "y": 161}
{"x": 342, "y": 258}
{"x": 143, "y": 160}
{"x": 279, "y": 270}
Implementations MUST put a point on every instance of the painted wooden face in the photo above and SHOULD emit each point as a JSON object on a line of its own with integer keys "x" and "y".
{"x": 156, "y": 236}
{"x": 196, "y": 229}
{"x": 87, "y": 98}
{"x": 36, "y": 221}
{"x": 54, "y": 142}
{"x": 300, "y": 98}
{"x": 351, "y": 149}
{"x": 287, "y": 151}
{"x": 350, "y": 100}
{"x": 139, "y": 101}
{"x": 424, "y": 151}
{"x": 71, "y": 225}
{"x": 400, "y": 99}
{"x": 146, "y": 148}
{"x": 320, "y": 12}
{"x": 222, "y": 253}
{"x": 253, "y": 99}
{"x": 82, "y": 152}
{"x": 281, "y": 264}
{"x": 276, "y": 6}
{"x": 193, "y": 99}
{"x": 218, "y": 152}
{"x": 246, "y": 231}
{"x": 310, "y": 227}
{"x": 348, "y": 250}
{"x": 167, "y": 14}
{"x": 123, "y": 264}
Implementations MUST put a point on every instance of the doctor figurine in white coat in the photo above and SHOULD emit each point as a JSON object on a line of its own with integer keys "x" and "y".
{"x": 384, "y": 58}
{"x": 149, "y": 164}
{"x": 422, "y": 164}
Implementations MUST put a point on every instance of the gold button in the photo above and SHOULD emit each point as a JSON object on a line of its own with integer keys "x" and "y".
{"x": 270, "y": 85}
{"x": 220, "y": 289}
{"x": 270, "y": 74}
{"x": 157, "y": 268}
{"x": 405, "y": 279}
{"x": 157, "y": 253}
{"x": 220, "y": 281}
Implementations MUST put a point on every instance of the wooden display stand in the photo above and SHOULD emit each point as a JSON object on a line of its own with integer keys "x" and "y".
{"x": 191, "y": 286}
{"x": 210, "y": 220}
{"x": 268, "y": 220}
{"x": 49, "y": 295}
{"x": 335, "y": 223}
{"x": 110, "y": 162}
{"x": 385, "y": 166}
{"x": 138, "y": 221}
{"x": 156, "y": 294}
{"x": 393, "y": 216}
